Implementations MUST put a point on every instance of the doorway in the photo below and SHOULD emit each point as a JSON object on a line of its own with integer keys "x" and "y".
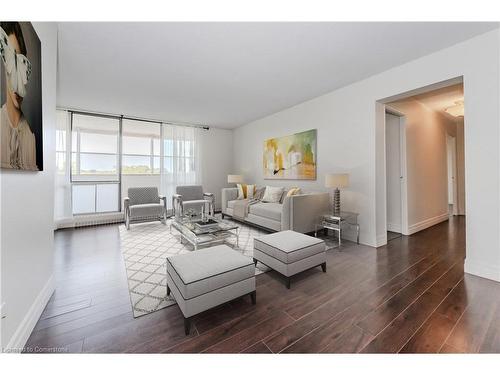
{"x": 423, "y": 160}
{"x": 395, "y": 152}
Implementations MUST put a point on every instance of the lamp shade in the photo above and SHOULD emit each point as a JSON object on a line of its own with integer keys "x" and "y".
{"x": 337, "y": 180}
{"x": 234, "y": 179}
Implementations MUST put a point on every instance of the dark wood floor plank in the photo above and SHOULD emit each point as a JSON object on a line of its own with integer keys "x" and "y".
{"x": 52, "y": 311}
{"x": 470, "y": 331}
{"x": 387, "y": 312}
{"x": 351, "y": 341}
{"x": 356, "y": 296}
{"x": 434, "y": 332}
{"x": 258, "y": 348}
{"x": 323, "y": 335}
{"x": 136, "y": 335}
{"x": 491, "y": 342}
{"x": 333, "y": 328}
{"x": 250, "y": 336}
{"x": 404, "y": 326}
{"x": 448, "y": 349}
{"x": 77, "y": 314}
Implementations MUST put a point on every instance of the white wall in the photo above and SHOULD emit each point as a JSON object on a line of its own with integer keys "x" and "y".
{"x": 351, "y": 138}
{"x": 27, "y": 204}
{"x": 426, "y": 164}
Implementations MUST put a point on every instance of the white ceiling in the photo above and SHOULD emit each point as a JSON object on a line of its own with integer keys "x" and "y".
{"x": 439, "y": 100}
{"x": 228, "y": 74}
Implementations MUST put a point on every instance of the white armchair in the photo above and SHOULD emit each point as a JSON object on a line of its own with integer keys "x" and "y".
{"x": 144, "y": 204}
{"x": 192, "y": 197}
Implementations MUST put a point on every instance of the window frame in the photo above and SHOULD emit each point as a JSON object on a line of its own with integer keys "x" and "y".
{"x": 95, "y": 182}
{"x": 176, "y": 160}
{"x": 151, "y": 156}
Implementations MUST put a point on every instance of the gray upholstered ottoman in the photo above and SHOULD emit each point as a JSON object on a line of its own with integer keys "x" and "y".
{"x": 290, "y": 252}
{"x": 207, "y": 278}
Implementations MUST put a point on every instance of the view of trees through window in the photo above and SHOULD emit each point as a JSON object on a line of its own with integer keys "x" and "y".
{"x": 140, "y": 147}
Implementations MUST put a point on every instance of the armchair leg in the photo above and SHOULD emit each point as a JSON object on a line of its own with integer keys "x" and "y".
{"x": 253, "y": 297}
{"x": 187, "y": 325}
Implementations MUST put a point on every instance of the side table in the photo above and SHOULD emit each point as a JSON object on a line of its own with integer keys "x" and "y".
{"x": 335, "y": 223}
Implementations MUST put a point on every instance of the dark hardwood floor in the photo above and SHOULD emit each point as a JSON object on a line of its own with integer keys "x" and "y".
{"x": 410, "y": 296}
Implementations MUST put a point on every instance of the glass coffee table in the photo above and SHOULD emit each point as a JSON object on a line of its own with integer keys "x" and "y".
{"x": 204, "y": 231}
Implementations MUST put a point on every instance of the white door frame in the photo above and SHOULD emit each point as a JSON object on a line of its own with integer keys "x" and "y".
{"x": 403, "y": 169}
{"x": 452, "y": 141}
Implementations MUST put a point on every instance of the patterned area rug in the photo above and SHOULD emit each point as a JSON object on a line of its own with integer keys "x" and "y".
{"x": 146, "y": 247}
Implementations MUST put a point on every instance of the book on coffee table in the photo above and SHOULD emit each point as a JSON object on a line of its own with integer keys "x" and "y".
{"x": 209, "y": 224}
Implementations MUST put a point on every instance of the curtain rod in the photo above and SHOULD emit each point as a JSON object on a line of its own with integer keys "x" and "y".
{"x": 104, "y": 114}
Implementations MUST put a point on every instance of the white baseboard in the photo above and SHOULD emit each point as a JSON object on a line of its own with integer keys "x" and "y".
{"x": 391, "y": 227}
{"x": 381, "y": 240}
{"x": 23, "y": 331}
{"x": 481, "y": 269}
{"x": 424, "y": 224}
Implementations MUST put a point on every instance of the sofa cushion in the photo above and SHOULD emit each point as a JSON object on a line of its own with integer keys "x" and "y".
{"x": 289, "y": 246}
{"x": 272, "y": 194}
{"x": 269, "y": 210}
{"x": 231, "y": 204}
{"x": 146, "y": 210}
{"x": 206, "y": 270}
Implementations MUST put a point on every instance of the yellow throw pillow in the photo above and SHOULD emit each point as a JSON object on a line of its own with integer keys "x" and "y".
{"x": 243, "y": 190}
{"x": 293, "y": 191}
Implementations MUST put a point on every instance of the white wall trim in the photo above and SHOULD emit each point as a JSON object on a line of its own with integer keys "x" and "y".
{"x": 23, "y": 331}
{"x": 424, "y": 224}
{"x": 391, "y": 227}
{"x": 381, "y": 240}
{"x": 482, "y": 269}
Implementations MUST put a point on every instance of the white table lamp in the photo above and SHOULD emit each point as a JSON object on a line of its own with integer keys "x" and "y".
{"x": 234, "y": 179}
{"x": 337, "y": 181}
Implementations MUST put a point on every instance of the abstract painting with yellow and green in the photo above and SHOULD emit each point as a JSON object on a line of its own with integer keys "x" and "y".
{"x": 292, "y": 157}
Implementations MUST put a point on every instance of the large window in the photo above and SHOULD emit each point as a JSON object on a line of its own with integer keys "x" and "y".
{"x": 94, "y": 148}
{"x": 95, "y": 160}
{"x": 140, "y": 147}
{"x": 103, "y": 156}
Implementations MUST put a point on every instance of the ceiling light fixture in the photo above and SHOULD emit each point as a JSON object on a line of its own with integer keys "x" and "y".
{"x": 456, "y": 110}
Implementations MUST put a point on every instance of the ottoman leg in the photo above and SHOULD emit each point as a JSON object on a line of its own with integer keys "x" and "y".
{"x": 168, "y": 290}
{"x": 254, "y": 261}
{"x": 323, "y": 267}
{"x": 288, "y": 282}
{"x": 253, "y": 296}
{"x": 187, "y": 325}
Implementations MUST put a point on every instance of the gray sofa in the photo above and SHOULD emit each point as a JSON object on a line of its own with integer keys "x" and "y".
{"x": 299, "y": 213}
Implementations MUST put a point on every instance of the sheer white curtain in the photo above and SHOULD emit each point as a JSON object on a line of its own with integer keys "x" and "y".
{"x": 62, "y": 199}
{"x": 181, "y": 158}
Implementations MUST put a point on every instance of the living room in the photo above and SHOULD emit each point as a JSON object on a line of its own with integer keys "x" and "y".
{"x": 222, "y": 187}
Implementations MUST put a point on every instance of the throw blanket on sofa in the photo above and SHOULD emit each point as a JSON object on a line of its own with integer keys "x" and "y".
{"x": 241, "y": 207}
